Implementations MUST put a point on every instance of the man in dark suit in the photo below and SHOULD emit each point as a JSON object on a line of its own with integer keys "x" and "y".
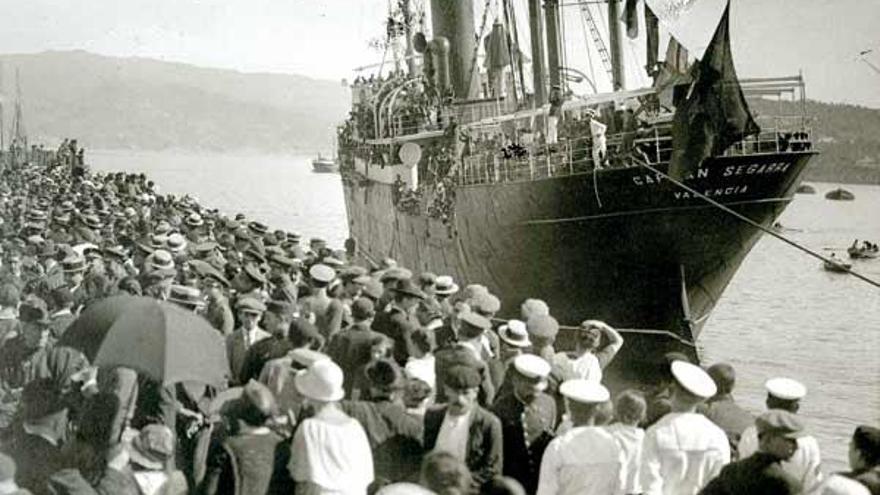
{"x": 464, "y": 429}
{"x": 397, "y": 321}
{"x": 528, "y": 419}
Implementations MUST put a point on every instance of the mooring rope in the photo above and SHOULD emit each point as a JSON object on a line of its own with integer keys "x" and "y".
{"x": 759, "y": 226}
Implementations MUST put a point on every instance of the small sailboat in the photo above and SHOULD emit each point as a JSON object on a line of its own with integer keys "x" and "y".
{"x": 324, "y": 165}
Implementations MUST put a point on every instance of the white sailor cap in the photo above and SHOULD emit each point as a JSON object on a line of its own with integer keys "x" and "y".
{"x": 584, "y": 391}
{"x": 694, "y": 379}
{"x": 785, "y": 388}
{"x": 531, "y": 366}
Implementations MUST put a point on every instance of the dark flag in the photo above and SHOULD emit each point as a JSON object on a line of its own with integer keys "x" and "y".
{"x": 631, "y": 18}
{"x": 715, "y": 113}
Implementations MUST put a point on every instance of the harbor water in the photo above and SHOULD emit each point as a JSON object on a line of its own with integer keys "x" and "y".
{"x": 782, "y": 314}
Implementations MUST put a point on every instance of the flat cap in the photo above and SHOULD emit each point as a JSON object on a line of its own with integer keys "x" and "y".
{"x": 460, "y": 377}
{"x": 396, "y": 273}
{"x": 785, "y": 388}
{"x": 779, "y": 422}
{"x": 693, "y": 379}
{"x": 250, "y": 305}
{"x": 584, "y": 391}
{"x": 474, "y": 320}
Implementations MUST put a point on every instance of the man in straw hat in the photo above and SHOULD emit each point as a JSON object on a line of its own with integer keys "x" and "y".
{"x": 586, "y": 459}
{"x": 806, "y": 463}
{"x": 591, "y": 356}
{"x": 761, "y": 472}
{"x": 683, "y": 451}
{"x": 332, "y": 452}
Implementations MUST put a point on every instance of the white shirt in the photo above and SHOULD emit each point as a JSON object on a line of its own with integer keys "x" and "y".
{"x": 682, "y": 452}
{"x": 585, "y": 460}
{"x": 629, "y": 439}
{"x": 597, "y": 130}
{"x": 334, "y": 456}
{"x": 453, "y": 435}
{"x": 585, "y": 366}
{"x": 805, "y": 465}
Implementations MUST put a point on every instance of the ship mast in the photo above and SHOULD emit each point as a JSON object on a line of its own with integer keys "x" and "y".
{"x": 552, "y": 13}
{"x": 618, "y": 78}
{"x": 536, "y": 30}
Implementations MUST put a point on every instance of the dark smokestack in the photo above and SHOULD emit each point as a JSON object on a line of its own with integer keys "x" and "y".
{"x": 454, "y": 20}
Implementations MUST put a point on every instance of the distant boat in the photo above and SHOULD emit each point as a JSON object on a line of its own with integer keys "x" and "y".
{"x": 323, "y": 165}
{"x": 836, "y": 266}
{"x": 840, "y": 194}
{"x": 863, "y": 252}
{"x": 805, "y": 189}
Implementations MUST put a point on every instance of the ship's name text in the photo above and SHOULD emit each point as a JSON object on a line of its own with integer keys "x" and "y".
{"x": 729, "y": 171}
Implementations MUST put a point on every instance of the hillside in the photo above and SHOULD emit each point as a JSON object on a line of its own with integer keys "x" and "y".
{"x": 847, "y": 136}
{"x": 139, "y": 103}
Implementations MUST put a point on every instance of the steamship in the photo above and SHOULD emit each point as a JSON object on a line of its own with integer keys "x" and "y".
{"x": 465, "y": 156}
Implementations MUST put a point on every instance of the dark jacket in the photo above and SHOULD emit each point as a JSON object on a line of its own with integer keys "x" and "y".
{"x": 395, "y": 437}
{"x": 350, "y": 349}
{"x": 485, "y": 452}
{"x": 758, "y": 474}
{"x": 250, "y": 465}
{"x": 397, "y": 325}
{"x": 523, "y": 462}
{"x": 729, "y": 416}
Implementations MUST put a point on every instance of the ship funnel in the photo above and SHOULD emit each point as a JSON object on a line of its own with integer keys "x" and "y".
{"x": 454, "y": 20}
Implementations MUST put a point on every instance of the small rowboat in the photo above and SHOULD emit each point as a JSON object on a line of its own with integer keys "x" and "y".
{"x": 862, "y": 253}
{"x": 840, "y": 194}
{"x": 837, "y": 266}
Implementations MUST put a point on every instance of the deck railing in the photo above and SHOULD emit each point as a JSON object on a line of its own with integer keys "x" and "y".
{"x": 651, "y": 146}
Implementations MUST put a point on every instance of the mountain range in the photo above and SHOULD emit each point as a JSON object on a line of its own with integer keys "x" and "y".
{"x": 139, "y": 103}
{"x": 147, "y": 104}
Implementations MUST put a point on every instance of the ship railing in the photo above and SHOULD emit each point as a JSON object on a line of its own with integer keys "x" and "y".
{"x": 779, "y": 134}
{"x": 568, "y": 157}
{"x": 652, "y": 146}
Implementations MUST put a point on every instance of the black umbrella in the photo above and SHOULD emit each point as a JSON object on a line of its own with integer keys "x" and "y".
{"x": 156, "y": 338}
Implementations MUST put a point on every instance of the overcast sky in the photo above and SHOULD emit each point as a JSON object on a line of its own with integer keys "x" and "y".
{"x": 327, "y": 38}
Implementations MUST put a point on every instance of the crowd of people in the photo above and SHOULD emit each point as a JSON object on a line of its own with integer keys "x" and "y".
{"x": 344, "y": 377}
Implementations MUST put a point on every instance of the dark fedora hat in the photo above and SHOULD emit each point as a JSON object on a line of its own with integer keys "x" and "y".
{"x": 406, "y": 287}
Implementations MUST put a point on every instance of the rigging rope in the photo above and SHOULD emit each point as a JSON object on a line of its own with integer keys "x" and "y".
{"x": 757, "y": 225}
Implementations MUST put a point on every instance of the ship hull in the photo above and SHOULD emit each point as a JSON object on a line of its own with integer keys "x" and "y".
{"x": 625, "y": 245}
